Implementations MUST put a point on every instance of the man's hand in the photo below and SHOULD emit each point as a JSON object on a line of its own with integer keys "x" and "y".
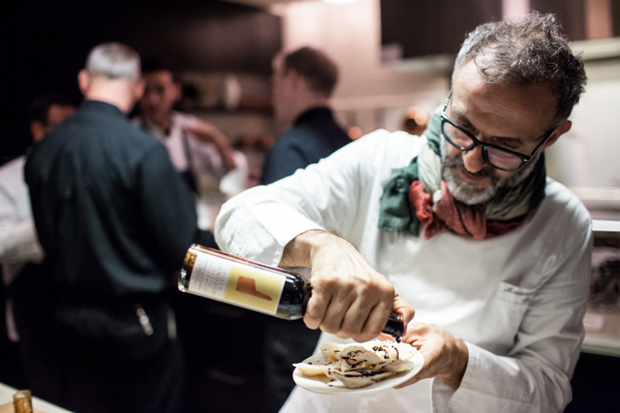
{"x": 208, "y": 133}
{"x": 445, "y": 355}
{"x": 349, "y": 297}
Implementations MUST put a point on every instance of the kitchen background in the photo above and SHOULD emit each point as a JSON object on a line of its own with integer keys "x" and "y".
{"x": 395, "y": 58}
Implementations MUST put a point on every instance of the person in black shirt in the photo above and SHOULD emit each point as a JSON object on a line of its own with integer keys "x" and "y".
{"x": 303, "y": 82}
{"x": 115, "y": 221}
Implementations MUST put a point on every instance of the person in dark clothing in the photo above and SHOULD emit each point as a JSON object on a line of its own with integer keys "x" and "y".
{"x": 114, "y": 220}
{"x": 303, "y": 82}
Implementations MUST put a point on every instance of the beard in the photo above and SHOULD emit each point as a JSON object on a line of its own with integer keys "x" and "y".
{"x": 468, "y": 192}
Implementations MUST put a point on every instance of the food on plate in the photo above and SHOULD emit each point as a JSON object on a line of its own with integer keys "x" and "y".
{"x": 360, "y": 364}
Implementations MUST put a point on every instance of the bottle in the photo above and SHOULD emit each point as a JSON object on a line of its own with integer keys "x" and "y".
{"x": 271, "y": 290}
{"x": 22, "y": 401}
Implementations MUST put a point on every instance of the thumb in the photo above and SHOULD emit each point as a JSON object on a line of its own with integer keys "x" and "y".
{"x": 403, "y": 308}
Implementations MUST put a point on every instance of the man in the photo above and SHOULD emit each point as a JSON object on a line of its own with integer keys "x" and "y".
{"x": 198, "y": 150}
{"x": 464, "y": 225}
{"x": 19, "y": 245}
{"x": 115, "y": 220}
{"x": 303, "y": 82}
{"x": 20, "y": 251}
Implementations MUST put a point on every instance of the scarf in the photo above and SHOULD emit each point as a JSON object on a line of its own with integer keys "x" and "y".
{"x": 416, "y": 194}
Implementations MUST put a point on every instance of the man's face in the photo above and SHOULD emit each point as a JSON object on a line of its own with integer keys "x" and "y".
{"x": 55, "y": 114}
{"x": 512, "y": 117}
{"x": 160, "y": 95}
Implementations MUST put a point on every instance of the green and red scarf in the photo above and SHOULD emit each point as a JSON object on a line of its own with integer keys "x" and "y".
{"x": 416, "y": 194}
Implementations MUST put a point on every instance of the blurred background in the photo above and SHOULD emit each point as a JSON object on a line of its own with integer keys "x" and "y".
{"x": 395, "y": 58}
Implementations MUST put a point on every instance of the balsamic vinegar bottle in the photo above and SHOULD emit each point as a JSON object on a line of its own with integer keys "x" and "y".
{"x": 271, "y": 290}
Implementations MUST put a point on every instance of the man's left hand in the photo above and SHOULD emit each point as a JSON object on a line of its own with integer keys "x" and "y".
{"x": 445, "y": 355}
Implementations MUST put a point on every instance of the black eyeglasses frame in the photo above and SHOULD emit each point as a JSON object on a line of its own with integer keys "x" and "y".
{"x": 485, "y": 146}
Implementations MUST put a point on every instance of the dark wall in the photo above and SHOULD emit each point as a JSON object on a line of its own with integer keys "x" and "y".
{"x": 426, "y": 28}
{"x": 570, "y": 12}
{"x": 47, "y": 43}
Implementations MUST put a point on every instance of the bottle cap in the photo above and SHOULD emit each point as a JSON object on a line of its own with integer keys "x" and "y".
{"x": 395, "y": 326}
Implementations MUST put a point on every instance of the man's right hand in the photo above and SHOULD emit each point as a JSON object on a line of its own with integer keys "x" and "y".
{"x": 349, "y": 297}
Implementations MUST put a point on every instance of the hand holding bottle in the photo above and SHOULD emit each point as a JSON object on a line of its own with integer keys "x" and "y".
{"x": 349, "y": 297}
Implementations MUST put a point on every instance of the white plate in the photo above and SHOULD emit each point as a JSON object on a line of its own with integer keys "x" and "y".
{"x": 323, "y": 384}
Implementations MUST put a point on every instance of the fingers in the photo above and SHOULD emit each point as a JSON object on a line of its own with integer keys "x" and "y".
{"x": 445, "y": 355}
{"x": 316, "y": 309}
{"x": 374, "y": 324}
{"x": 349, "y": 297}
{"x": 352, "y": 300}
{"x": 403, "y": 308}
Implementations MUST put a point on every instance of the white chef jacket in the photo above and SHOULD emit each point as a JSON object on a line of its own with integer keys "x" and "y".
{"x": 19, "y": 243}
{"x": 517, "y": 300}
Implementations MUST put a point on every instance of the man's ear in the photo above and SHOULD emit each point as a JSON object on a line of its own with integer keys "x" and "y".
{"x": 178, "y": 91}
{"x": 83, "y": 80}
{"x": 138, "y": 90}
{"x": 559, "y": 131}
{"x": 37, "y": 130}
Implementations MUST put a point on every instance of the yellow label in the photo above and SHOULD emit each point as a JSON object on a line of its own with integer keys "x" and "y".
{"x": 254, "y": 288}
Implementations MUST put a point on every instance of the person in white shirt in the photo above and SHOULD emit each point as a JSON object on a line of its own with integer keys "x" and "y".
{"x": 199, "y": 151}
{"x": 19, "y": 244}
{"x": 464, "y": 225}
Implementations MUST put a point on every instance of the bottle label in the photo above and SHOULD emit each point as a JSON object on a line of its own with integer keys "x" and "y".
{"x": 237, "y": 284}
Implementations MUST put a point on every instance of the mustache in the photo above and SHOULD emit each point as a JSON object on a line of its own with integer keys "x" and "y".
{"x": 483, "y": 173}
{"x": 457, "y": 162}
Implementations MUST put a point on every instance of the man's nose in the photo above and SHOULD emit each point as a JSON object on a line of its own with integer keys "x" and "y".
{"x": 473, "y": 160}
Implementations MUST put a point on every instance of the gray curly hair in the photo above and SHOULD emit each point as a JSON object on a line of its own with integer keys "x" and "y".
{"x": 530, "y": 50}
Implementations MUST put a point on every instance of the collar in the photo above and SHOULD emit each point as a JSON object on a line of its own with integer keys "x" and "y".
{"x": 321, "y": 112}
{"x": 101, "y": 107}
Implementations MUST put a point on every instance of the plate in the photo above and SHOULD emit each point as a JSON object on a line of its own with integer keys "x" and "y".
{"x": 324, "y": 384}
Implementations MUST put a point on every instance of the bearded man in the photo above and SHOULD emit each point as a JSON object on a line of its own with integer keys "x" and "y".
{"x": 464, "y": 225}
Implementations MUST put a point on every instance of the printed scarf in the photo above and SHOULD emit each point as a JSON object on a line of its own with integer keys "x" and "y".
{"x": 416, "y": 194}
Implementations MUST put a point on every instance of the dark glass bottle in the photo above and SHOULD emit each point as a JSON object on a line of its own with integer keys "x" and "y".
{"x": 258, "y": 287}
{"x": 22, "y": 401}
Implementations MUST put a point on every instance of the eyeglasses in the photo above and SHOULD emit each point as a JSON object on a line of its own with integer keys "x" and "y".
{"x": 496, "y": 156}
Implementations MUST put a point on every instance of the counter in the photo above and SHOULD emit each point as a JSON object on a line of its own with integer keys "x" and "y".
{"x": 38, "y": 405}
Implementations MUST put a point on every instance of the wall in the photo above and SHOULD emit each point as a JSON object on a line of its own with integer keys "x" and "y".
{"x": 47, "y": 44}
{"x": 370, "y": 95}
{"x": 373, "y": 95}
{"x": 587, "y": 156}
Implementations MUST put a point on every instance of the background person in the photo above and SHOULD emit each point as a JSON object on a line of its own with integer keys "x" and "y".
{"x": 464, "y": 225}
{"x": 198, "y": 150}
{"x": 115, "y": 221}
{"x": 302, "y": 83}
{"x": 20, "y": 251}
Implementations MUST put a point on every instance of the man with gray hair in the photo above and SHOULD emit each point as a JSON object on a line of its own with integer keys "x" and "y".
{"x": 464, "y": 225}
{"x": 115, "y": 220}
